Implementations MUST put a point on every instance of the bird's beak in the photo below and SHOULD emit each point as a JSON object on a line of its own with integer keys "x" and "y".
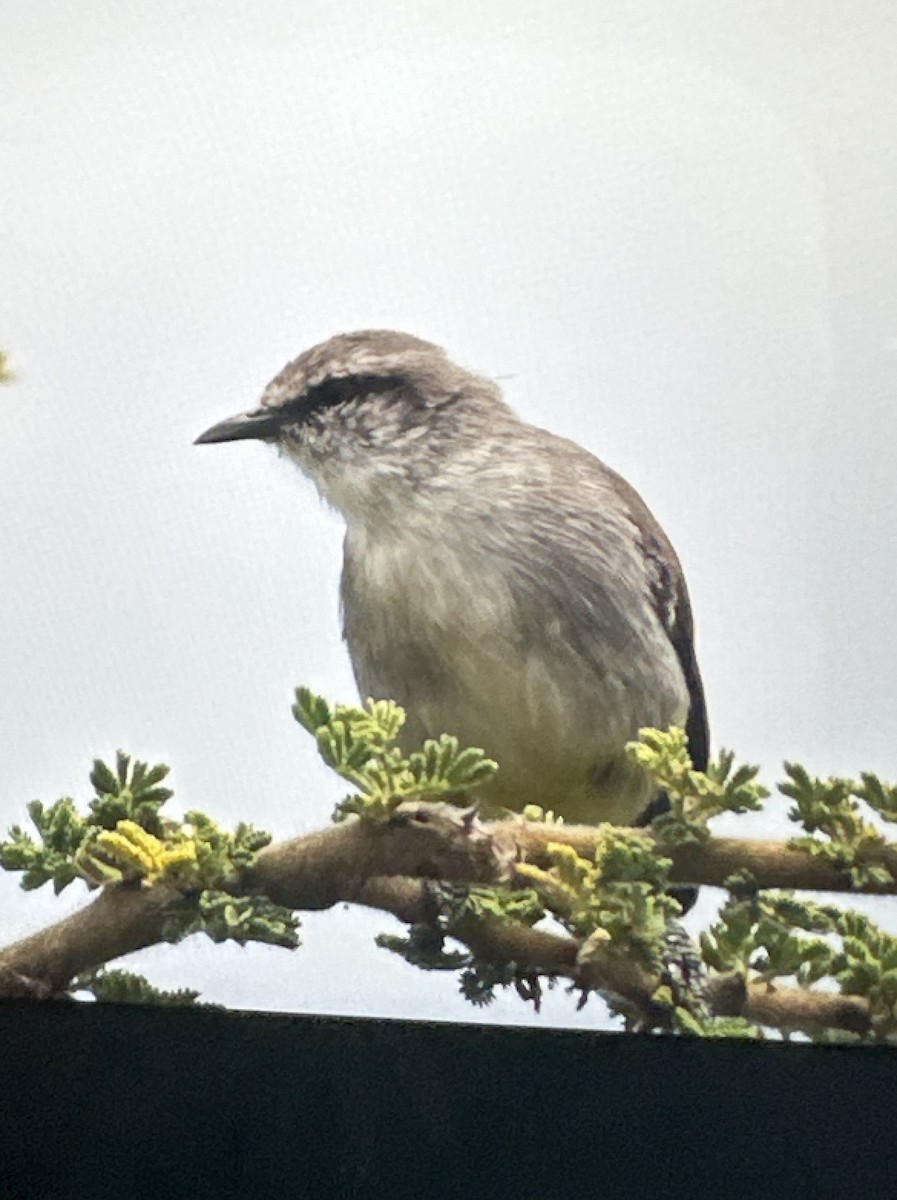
{"x": 260, "y": 423}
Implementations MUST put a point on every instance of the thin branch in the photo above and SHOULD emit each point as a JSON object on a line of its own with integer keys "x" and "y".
{"x": 422, "y": 840}
{"x": 773, "y": 864}
{"x": 119, "y": 921}
{"x": 394, "y": 866}
{"x": 354, "y": 862}
{"x": 789, "y": 1008}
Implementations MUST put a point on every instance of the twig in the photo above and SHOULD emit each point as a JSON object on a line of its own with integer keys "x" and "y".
{"x": 392, "y": 866}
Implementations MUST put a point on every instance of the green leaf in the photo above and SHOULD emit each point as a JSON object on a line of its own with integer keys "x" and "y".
{"x": 311, "y": 711}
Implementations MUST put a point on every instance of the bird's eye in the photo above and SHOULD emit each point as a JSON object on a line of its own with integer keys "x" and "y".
{"x": 338, "y": 389}
{"x": 329, "y": 392}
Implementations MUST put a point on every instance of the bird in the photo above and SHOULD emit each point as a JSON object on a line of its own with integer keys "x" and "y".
{"x": 499, "y": 582}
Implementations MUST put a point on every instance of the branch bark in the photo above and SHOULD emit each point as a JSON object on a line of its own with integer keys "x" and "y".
{"x": 395, "y": 866}
{"x": 773, "y": 864}
{"x": 119, "y": 921}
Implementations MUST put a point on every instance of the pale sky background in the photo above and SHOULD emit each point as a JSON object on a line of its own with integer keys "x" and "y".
{"x": 670, "y": 226}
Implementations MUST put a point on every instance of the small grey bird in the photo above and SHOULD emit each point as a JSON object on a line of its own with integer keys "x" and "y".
{"x": 499, "y": 582}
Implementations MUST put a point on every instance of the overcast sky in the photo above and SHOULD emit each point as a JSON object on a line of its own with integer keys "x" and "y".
{"x": 669, "y": 227}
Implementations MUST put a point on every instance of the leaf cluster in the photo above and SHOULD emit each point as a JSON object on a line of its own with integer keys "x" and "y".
{"x": 425, "y": 946}
{"x": 620, "y": 894}
{"x": 360, "y": 745}
{"x": 129, "y": 793}
{"x": 695, "y": 796}
{"x": 126, "y": 987}
{"x": 479, "y": 982}
{"x": 765, "y": 936}
{"x": 123, "y": 839}
{"x": 758, "y": 935}
{"x": 774, "y": 935}
{"x": 830, "y": 811}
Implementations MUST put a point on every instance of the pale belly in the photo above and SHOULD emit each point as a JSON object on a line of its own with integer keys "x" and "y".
{"x": 558, "y": 739}
{"x": 442, "y": 642}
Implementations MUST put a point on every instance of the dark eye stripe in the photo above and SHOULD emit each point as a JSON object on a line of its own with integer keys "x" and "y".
{"x": 337, "y": 390}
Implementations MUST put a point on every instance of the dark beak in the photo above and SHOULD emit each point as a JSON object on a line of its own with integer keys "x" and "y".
{"x": 262, "y": 423}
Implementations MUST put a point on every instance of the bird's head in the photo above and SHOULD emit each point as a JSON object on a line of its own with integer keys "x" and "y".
{"x": 369, "y": 416}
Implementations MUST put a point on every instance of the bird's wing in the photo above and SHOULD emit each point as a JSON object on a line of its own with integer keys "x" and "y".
{"x": 669, "y": 596}
{"x": 630, "y": 557}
